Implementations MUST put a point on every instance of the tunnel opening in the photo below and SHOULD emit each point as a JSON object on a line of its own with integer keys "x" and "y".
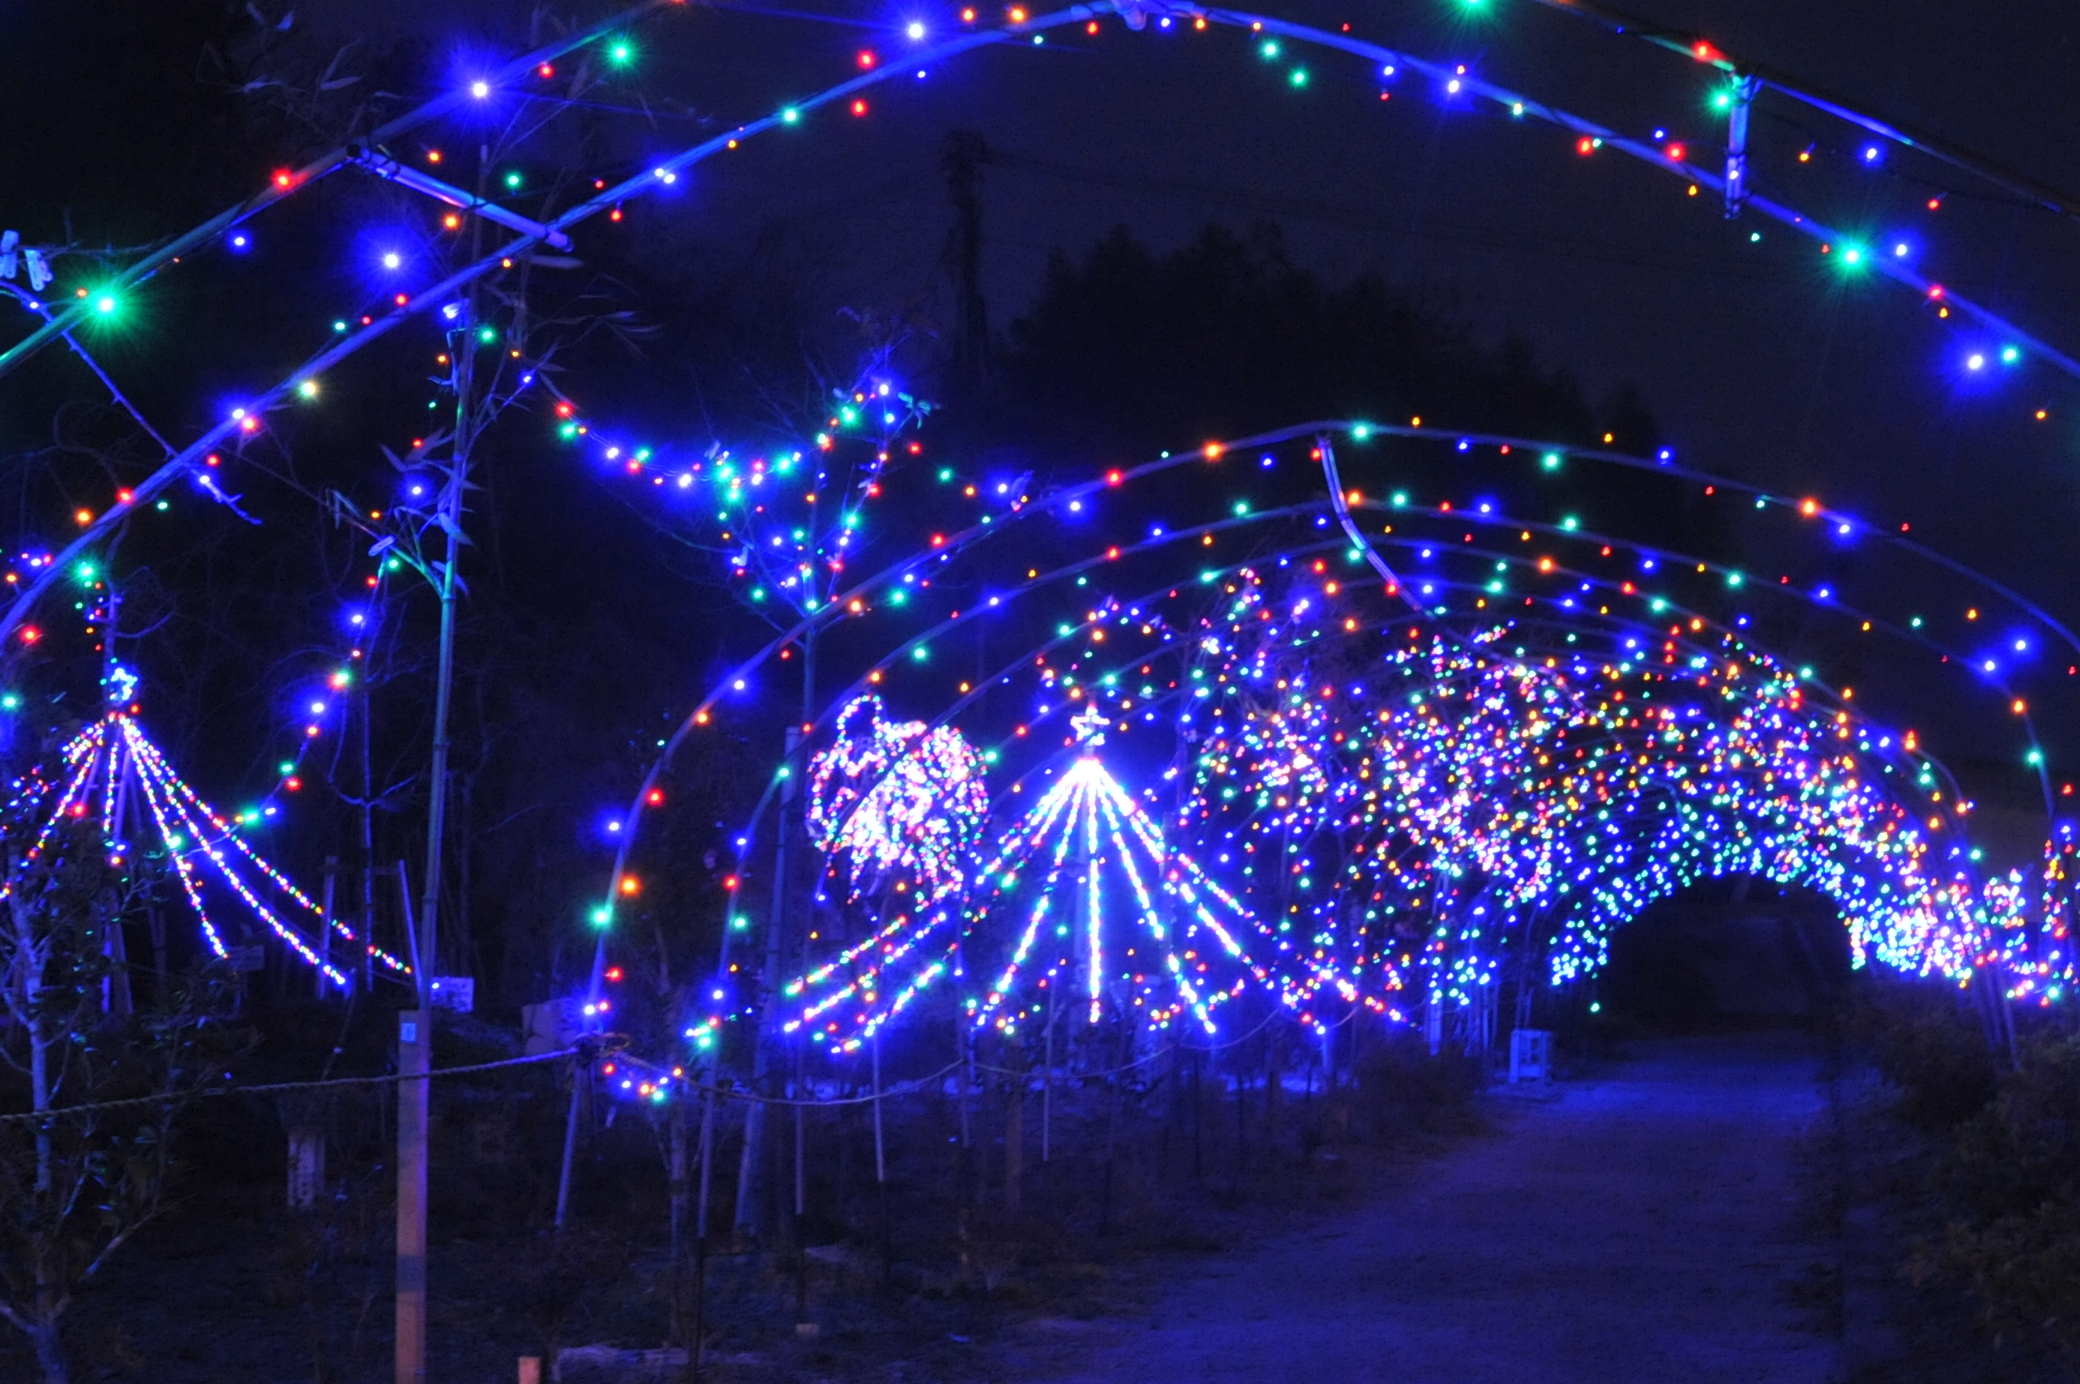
{"x": 1732, "y": 955}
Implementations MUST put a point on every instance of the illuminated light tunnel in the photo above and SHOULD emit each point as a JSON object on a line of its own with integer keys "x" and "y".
{"x": 1572, "y": 743}
{"x": 1240, "y": 764}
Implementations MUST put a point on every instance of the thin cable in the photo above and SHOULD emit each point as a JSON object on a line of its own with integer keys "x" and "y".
{"x": 65, "y": 1112}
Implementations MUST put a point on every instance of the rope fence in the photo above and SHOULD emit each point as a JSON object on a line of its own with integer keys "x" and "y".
{"x": 266, "y": 1088}
{"x": 725, "y": 1091}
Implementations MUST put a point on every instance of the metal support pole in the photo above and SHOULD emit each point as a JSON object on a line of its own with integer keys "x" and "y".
{"x": 389, "y": 169}
{"x": 1737, "y": 145}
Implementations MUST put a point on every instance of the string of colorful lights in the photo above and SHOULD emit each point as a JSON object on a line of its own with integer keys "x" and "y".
{"x": 1490, "y": 776}
{"x": 110, "y": 766}
{"x": 2005, "y": 343}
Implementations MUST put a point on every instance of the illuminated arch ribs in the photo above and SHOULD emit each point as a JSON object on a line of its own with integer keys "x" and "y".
{"x": 1458, "y": 793}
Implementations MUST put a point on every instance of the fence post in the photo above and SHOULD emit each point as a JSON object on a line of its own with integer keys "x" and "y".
{"x": 306, "y": 1165}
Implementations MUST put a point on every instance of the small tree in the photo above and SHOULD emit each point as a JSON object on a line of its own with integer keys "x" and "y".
{"x": 79, "y": 1180}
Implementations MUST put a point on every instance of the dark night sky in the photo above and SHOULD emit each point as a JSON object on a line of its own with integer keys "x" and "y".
{"x": 1756, "y": 359}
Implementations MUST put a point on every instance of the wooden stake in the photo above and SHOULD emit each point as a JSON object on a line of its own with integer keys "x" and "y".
{"x": 1014, "y": 1143}
{"x": 680, "y": 1189}
{"x": 801, "y": 1197}
{"x": 325, "y": 927}
{"x": 306, "y": 1166}
{"x": 157, "y": 922}
{"x": 888, "y": 1259}
{"x": 700, "y": 1233}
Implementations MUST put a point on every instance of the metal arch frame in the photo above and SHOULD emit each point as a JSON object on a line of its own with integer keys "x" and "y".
{"x": 668, "y": 170}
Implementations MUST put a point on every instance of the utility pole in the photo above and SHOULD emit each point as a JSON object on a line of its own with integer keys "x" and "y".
{"x": 415, "y": 1026}
{"x": 963, "y": 160}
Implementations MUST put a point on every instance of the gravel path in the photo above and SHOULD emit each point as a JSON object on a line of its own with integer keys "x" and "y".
{"x": 1645, "y": 1226}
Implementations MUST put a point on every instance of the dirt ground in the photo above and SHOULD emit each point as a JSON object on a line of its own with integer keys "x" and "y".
{"x": 1645, "y": 1225}
{"x": 1697, "y": 1210}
